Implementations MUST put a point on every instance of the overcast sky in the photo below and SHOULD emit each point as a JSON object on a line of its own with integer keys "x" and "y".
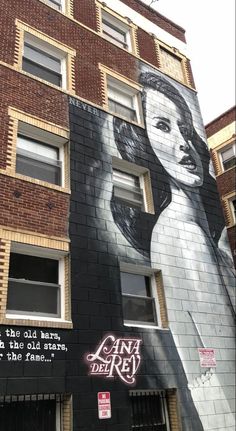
{"x": 210, "y": 34}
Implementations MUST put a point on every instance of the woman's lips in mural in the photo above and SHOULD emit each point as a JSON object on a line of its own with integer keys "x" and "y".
{"x": 189, "y": 163}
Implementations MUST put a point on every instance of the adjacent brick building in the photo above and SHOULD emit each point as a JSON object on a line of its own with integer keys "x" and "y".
{"x": 116, "y": 286}
{"x": 221, "y": 140}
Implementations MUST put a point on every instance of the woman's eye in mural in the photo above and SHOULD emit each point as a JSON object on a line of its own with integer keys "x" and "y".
{"x": 162, "y": 124}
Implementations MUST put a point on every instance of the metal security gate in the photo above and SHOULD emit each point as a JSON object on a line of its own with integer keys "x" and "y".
{"x": 148, "y": 411}
{"x": 31, "y": 412}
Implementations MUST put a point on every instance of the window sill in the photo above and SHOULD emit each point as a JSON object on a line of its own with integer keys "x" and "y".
{"x": 35, "y": 181}
{"x": 223, "y": 172}
{"x": 63, "y": 12}
{"x": 68, "y": 91}
{"x": 36, "y": 321}
{"x": 135, "y": 123}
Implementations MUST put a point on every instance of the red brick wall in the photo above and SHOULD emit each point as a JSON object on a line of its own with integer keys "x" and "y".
{"x": 32, "y": 97}
{"x": 220, "y": 122}
{"x": 85, "y": 12}
{"x": 226, "y": 182}
{"x": 147, "y": 47}
{"x": 66, "y": 31}
{"x": 28, "y": 206}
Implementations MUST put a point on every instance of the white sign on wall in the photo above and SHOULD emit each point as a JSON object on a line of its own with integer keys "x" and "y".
{"x": 207, "y": 357}
{"x": 104, "y": 405}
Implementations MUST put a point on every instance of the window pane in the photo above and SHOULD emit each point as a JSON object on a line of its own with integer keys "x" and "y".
{"x": 32, "y": 146}
{"x": 32, "y": 298}
{"x": 34, "y": 268}
{"x": 126, "y": 179}
{"x": 127, "y": 188}
{"x": 119, "y": 96}
{"x": 125, "y": 111}
{"x": 138, "y": 309}
{"x": 28, "y": 415}
{"x": 227, "y": 154}
{"x": 39, "y": 57}
{"x": 135, "y": 284}
{"x": 38, "y": 160}
{"x": 129, "y": 197}
{"x": 38, "y": 169}
{"x": 41, "y": 72}
{"x": 55, "y": 3}
{"x": 230, "y": 163}
{"x": 114, "y": 34}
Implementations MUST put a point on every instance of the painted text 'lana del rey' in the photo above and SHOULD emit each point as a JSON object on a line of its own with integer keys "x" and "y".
{"x": 116, "y": 356}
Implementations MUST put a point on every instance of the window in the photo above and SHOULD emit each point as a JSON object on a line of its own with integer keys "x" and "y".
{"x": 123, "y": 100}
{"x": 233, "y": 209}
{"x": 34, "y": 412}
{"x": 40, "y": 154}
{"x": 44, "y": 60}
{"x": 56, "y": 4}
{"x": 35, "y": 284}
{"x": 132, "y": 185}
{"x": 149, "y": 411}
{"x": 116, "y": 31}
{"x": 228, "y": 157}
{"x": 172, "y": 64}
{"x": 137, "y": 299}
{"x": 127, "y": 188}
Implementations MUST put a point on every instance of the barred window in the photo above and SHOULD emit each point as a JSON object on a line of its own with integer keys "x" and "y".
{"x": 32, "y": 412}
{"x": 149, "y": 411}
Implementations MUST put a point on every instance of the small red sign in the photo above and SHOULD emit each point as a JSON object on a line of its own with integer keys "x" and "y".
{"x": 104, "y": 405}
{"x": 207, "y": 357}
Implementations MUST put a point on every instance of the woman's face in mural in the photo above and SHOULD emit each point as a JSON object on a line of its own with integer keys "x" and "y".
{"x": 170, "y": 138}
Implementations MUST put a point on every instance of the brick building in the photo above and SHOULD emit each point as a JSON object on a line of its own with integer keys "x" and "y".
{"x": 221, "y": 140}
{"x": 116, "y": 286}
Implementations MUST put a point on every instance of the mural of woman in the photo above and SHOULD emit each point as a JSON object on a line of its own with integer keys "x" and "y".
{"x": 185, "y": 238}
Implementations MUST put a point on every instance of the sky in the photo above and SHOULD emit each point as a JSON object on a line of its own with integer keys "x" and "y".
{"x": 210, "y": 35}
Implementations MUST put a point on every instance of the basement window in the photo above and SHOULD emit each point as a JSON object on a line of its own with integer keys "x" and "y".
{"x": 35, "y": 412}
{"x": 149, "y": 410}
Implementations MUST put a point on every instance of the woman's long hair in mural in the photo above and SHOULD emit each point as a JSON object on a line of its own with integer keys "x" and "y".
{"x": 134, "y": 146}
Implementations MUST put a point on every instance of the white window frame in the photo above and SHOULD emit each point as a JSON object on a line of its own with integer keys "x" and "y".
{"x": 233, "y": 198}
{"x": 222, "y": 150}
{"x": 119, "y": 26}
{"x": 26, "y": 249}
{"x": 44, "y": 137}
{"x": 120, "y": 88}
{"x": 50, "y": 50}
{"x": 146, "y": 272}
{"x": 162, "y": 394}
{"x": 51, "y": 4}
{"x": 132, "y": 169}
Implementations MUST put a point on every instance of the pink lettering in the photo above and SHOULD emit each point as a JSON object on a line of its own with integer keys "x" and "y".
{"x": 116, "y": 356}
